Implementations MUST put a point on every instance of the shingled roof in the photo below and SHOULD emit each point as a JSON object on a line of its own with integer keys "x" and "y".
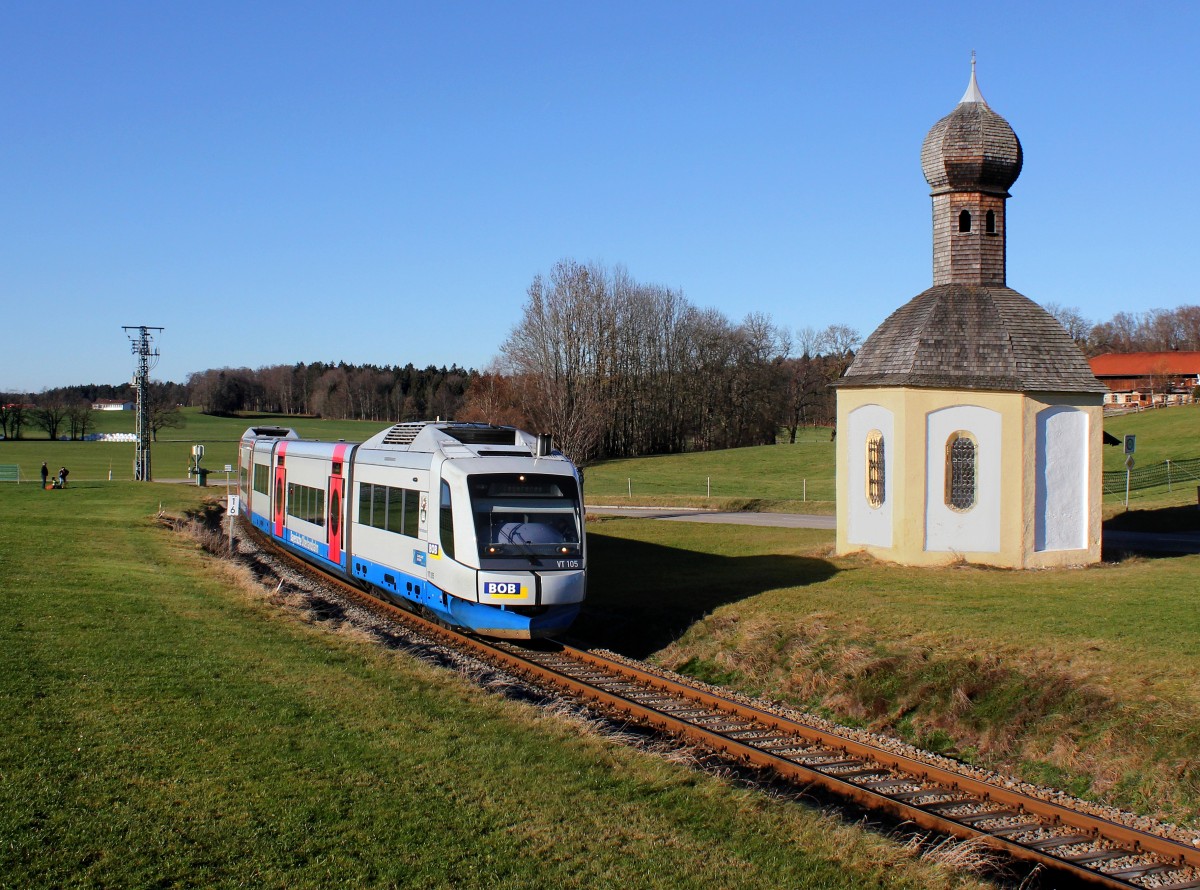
{"x": 961, "y": 336}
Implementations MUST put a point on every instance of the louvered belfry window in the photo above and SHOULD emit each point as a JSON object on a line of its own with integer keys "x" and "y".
{"x": 875, "y": 469}
{"x": 960, "y": 472}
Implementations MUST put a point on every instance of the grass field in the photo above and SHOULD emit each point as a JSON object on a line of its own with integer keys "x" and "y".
{"x": 172, "y": 453}
{"x": 175, "y": 728}
{"x": 1162, "y": 434}
{"x": 788, "y": 478}
{"x": 163, "y": 723}
{"x": 1086, "y": 679}
{"x": 783, "y": 477}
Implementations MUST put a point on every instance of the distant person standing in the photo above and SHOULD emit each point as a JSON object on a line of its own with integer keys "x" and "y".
{"x": 45, "y": 474}
{"x": 62, "y": 477}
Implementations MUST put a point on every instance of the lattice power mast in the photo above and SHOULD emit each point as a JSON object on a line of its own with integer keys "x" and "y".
{"x": 147, "y": 358}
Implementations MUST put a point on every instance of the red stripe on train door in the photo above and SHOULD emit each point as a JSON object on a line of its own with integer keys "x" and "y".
{"x": 337, "y": 505}
{"x": 280, "y": 488}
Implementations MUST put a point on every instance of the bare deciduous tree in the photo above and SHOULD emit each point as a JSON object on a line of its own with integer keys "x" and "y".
{"x": 49, "y": 416}
{"x": 163, "y": 412}
{"x": 1072, "y": 320}
{"x": 79, "y": 419}
{"x": 612, "y": 367}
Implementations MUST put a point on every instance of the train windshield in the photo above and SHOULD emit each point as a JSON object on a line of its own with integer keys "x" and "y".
{"x": 526, "y": 515}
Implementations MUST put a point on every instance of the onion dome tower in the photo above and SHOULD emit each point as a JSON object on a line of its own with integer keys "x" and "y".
{"x": 970, "y": 158}
{"x": 970, "y": 359}
{"x": 970, "y": 329}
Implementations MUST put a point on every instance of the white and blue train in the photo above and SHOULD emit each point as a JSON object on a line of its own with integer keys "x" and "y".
{"x": 478, "y": 526}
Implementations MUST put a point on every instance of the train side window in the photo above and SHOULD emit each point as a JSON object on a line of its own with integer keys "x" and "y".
{"x": 447, "y": 521}
{"x": 364, "y": 502}
{"x": 875, "y": 469}
{"x": 378, "y": 506}
{"x": 412, "y": 512}
{"x": 306, "y": 503}
{"x": 395, "y": 510}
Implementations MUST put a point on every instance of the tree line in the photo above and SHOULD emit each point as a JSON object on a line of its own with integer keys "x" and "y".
{"x": 343, "y": 391}
{"x": 66, "y": 411}
{"x": 610, "y": 366}
{"x": 616, "y": 368}
{"x": 1155, "y": 330}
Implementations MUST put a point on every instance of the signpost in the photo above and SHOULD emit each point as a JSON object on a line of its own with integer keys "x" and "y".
{"x": 1130, "y": 445}
{"x": 235, "y": 507}
{"x": 231, "y": 502}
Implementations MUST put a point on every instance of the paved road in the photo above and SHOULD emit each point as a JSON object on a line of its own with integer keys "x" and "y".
{"x": 1153, "y": 542}
{"x": 675, "y": 514}
{"x": 1134, "y": 542}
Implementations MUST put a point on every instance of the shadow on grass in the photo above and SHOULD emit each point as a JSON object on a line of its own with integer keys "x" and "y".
{"x": 1161, "y": 532}
{"x": 643, "y": 596}
{"x": 1169, "y": 520}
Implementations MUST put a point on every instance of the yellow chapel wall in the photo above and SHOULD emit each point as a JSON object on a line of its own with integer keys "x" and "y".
{"x": 907, "y": 469}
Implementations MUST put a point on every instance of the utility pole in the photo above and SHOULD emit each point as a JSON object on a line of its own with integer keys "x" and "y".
{"x": 147, "y": 358}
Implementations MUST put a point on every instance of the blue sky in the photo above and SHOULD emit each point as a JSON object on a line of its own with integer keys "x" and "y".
{"x": 379, "y": 182}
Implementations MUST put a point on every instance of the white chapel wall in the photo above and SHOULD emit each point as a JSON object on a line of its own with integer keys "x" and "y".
{"x": 866, "y": 524}
{"x": 1061, "y": 497}
{"x": 977, "y": 529}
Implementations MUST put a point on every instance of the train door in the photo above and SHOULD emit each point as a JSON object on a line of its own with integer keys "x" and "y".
{"x": 280, "y": 491}
{"x": 447, "y": 504}
{"x": 335, "y": 518}
{"x": 246, "y": 476}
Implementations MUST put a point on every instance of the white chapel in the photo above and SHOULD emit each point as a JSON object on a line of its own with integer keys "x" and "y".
{"x": 969, "y": 424}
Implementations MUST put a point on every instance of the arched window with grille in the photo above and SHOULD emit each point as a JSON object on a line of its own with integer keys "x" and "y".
{"x": 876, "y": 469}
{"x": 961, "y": 470}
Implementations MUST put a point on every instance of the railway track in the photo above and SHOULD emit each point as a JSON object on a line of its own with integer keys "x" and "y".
{"x": 1085, "y": 848}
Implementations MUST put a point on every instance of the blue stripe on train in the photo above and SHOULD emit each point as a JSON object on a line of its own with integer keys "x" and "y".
{"x": 491, "y": 620}
{"x": 481, "y": 618}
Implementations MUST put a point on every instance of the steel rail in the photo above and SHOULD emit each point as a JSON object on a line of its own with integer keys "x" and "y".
{"x": 1006, "y": 802}
{"x": 856, "y": 785}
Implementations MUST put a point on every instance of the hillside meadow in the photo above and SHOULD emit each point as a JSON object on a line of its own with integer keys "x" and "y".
{"x": 784, "y": 477}
{"x": 172, "y": 454}
{"x": 164, "y": 721}
{"x": 1083, "y": 679}
{"x": 177, "y": 726}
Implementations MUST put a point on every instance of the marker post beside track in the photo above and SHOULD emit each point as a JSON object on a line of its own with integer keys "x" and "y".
{"x": 232, "y": 511}
{"x": 232, "y": 504}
